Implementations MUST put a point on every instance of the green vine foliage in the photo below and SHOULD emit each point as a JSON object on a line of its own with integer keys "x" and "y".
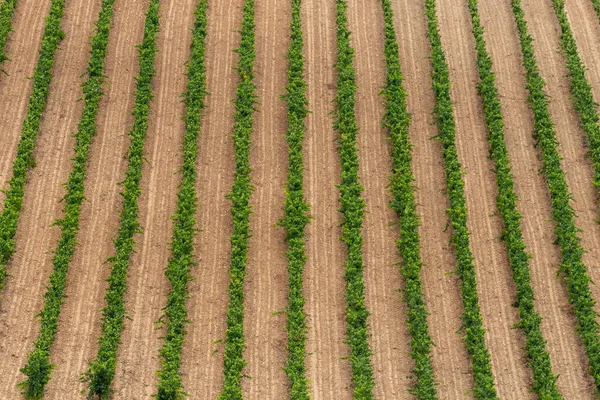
{"x": 7, "y": 9}
{"x": 472, "y": 320}
{"x": 572, "y": 267}
{"x": 170, "y": 385}
{"x": 544, "y": 381}
{"x": 42, "y": 76}
{"x": 296, "y": 210}
{"x": 38, "y": 368}
{"x": 353, "y": 210}
{"x": 397, "y": 121}
{"x": 102, "y": 369}
{"x": 240, "y": 197}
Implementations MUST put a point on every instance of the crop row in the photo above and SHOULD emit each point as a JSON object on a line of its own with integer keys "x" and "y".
{"x": 102, "y": 369}
{"x": 572, "y": 266}
{"x": 397, "y": 121}
{"x": 240, "y": 197}
{"x": 7, "y": 9}
{"x": 170, "y": 386}
{"x": 296, "y": 210}
{"x": 544, "y": 381}
{"x": 472, "y": 320}
{"x": 353, "y": 210}
{"x": 38, "y": 368}
{"x": 24, "y": 159}
{"x": 581, "y": 90}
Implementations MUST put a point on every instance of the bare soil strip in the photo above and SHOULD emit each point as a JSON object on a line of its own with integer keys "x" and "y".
{"x": 324, "y": 285}
{"x": 135, "y": 376}
{"x": 496, "y": 286}
{"x": 202, "y": 367}
{"x": 390, "y": 339}
{"x": 586, "y": 30}
{"x": 266, "y": 280}
{"x": 31, "y": 265}
{"x": 79, "y": 324}
{"x": 15, "y": 86}
{"x": 558, "y": 325}
{"x": 450, "y": 359}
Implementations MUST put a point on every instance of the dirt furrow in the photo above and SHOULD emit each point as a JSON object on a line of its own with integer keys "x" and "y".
{"x": 534, "y": 201}
{"x": 79, "y": 325}
{"x": 135, "y": 376}
{"x": 203, "y": 348}
{"x": 494, "y": 278}
{"x": 324, "y": 285}
{"x": 266, "y": 279}
{"x": 32, "y": 262}
{"x": 22, "y": 49}
{"x": 450, "y": 359}
{"x": 390, "y": 339}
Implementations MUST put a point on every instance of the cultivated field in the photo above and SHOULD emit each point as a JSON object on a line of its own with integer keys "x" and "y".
{"x": 303, "y": 199}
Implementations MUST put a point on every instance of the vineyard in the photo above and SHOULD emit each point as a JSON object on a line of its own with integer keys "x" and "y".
{"x": 300, "y": 199}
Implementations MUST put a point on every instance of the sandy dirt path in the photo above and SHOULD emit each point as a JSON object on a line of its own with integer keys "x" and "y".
{"x": 147, "y": 286}
{"x": 324, "y": 283}
{"x": 202, "y": 367}
{"x": 586, "y": 28}
{"x": 390, "y": 339}
{"x": 15, "y": 86}
{"x": 79, "y": 324}
{"x": 450, "y": 359}
{"x": 266, "y": 285}
{"x": 32, "y": 263}
{"x": 534, "y": 201}
{"x": 495, "y": 283}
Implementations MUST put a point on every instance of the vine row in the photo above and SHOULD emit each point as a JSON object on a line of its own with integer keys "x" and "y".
{"x": 7, "y": 9}
{"x": 397, "y": 121}
{"x": 102, "y": 369}
{"x": 353, "y": 210}
{"x": 170, "y": 386}
{"x": 568, "y": 240}
{"x": 581, "y": 90}
{"x": 472, "y": 320}
{"x": 544, "y": 381}
{"x": 240, "y": 197}
{"x": 296, "y": 210}
{"x": 36, "y": 106}
{"x": 38, "y": 368}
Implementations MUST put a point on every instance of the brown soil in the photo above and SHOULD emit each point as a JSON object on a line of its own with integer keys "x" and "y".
{"x": 494, "y": 278}
{"x": 534, "y": 202}
{"x": 450, "y": 359}
{"x": 135, "y": 377}
{"x": 202, "y": 368}
{"x": 15, "y": 85}
{"x": 79, "y": 324}
{"x": 32, "y": 263}
{"x": 324, "y": 283}
{"x": 266, "y": 280}
{"x": 390, "y": 339}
